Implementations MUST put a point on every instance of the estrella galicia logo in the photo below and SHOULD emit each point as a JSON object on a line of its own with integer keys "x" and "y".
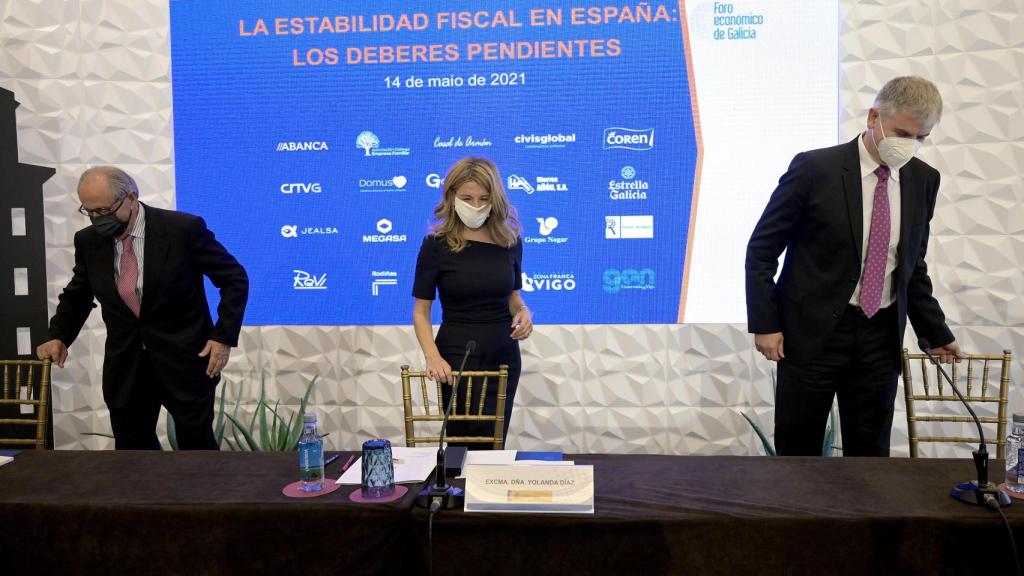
{"x": 628, "y": 138}
{"x": 305, "y": 281}
{"x": 616, "y": 280}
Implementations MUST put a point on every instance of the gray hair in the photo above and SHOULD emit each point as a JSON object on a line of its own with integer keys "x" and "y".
{"x": 120, "y": 182}
{"x": 911, "y": 95}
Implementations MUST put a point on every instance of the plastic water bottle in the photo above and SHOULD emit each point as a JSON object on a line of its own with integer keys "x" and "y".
{"x": 1015, "y": 455}
{"x": 311, "y": 455}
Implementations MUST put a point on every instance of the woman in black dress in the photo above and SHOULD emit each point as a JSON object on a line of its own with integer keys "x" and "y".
{"x": 473, "y": 260}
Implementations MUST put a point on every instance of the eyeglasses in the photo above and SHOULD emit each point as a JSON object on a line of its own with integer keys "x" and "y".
{"x": 101, "y": 211}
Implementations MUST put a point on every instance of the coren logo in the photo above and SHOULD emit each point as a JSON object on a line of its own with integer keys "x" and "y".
{"x": 628, "y": 138}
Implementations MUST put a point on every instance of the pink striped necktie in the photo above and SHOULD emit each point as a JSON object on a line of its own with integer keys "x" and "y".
{"x": 878, "y": 247}
{"x": 129, "y": 276}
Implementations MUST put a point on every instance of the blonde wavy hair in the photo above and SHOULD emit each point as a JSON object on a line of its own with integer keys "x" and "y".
{"x": 503, "y": 222}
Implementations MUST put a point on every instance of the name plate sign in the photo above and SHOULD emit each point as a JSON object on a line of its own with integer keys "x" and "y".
{"x": 530, "y": 489}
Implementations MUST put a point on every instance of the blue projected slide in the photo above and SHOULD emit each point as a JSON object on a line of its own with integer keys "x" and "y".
{"x": 313, "y": 136}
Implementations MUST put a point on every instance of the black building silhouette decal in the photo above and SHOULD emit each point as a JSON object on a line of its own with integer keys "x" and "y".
{"x": 23, "y": 313}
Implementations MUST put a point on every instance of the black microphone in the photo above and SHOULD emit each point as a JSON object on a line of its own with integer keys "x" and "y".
{"x": 982, "y": 492}
{"x": 441, "y": 495}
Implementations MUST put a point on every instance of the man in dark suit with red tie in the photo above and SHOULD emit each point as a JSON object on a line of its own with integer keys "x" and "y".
{"x": 146, "y": 266}
{"x": 853, "y": 220}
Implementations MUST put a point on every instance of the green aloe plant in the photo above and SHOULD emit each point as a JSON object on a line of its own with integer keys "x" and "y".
{"x": 267, "y": 430}
{"x": 828, "y": 446}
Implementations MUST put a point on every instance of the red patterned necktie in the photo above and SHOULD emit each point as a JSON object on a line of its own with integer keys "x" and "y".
{"x": 878, "y": 247}
{"x": 129, "y": 276}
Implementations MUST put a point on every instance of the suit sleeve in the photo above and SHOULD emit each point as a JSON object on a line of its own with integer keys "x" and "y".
{"x": 224, "y": 271}
{"x": 772, "y": 234}
{"x": 75, "y": 303}
{"x": 922, "y": 308}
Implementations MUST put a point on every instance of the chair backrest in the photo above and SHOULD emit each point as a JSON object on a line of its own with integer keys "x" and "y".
{"x": 24, "y": 399}
{"x": 980, "y": 378}
{"x": 429, "y": 406}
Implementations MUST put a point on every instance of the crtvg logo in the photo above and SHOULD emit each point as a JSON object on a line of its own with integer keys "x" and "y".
{"x": 616, "y": 280}
{"x": 301, "y": 188}
{"x": 628, "y": 138}
{"x": 305, "y": 281}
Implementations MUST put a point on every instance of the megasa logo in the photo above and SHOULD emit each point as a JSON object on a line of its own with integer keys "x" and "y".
{"x": 545, "y": 228}
{"x": 616, "y": 280}
{"x": 629, "y": 187}
{"x": 545, "y": 140}
{"x": 384, "y": 229}
{"x": 370, "y": 145}
{"x": 303, "y": 146}
{"x": 628, "y": 138}
{"x": 381, "y": 278}
{"x": 561, "y": 282}
{"x": 303, "y": 280}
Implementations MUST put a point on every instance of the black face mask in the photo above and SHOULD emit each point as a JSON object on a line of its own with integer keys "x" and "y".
{"x": 109, "y": 225}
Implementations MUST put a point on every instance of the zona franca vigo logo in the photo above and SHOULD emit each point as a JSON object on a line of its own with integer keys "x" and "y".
{"x": 549, "y": 282}
{"x": 370, "y": 144}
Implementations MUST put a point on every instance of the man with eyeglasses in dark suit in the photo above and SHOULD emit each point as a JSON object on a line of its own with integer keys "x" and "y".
{"x": 145, "y": 266}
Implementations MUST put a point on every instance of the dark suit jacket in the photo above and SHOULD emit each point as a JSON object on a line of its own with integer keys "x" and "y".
{"x": 816, "y": 215}
{"x": 174, "y": 322}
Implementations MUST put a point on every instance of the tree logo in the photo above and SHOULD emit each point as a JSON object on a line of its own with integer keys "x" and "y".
{"x": 367, "y": 141}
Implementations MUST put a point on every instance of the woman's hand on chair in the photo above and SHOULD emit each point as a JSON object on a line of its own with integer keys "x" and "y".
{"x": 438, "y": 369}
{"x": 522, "y": 324}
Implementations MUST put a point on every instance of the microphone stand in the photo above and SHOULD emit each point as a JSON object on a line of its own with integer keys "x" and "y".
{"x": 441, "y": 495}
{"x": 980, "y": 492}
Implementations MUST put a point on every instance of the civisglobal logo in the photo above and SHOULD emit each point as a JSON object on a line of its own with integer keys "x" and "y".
{"x": 628, "y": 138}
{"x": 616, "y": 280}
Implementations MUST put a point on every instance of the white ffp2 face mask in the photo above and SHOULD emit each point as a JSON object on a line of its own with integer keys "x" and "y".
{"x": 472, "y": 217}
{"x": 893, "y": 150}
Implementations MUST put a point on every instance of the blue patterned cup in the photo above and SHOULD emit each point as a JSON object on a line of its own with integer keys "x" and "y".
{"x": 378, "y": 469}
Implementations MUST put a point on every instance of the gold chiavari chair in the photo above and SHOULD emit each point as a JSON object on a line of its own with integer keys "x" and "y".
{"x": 980, "y": 378}
{"x": 24, "y": 399}
{"x": 430, "y": 408}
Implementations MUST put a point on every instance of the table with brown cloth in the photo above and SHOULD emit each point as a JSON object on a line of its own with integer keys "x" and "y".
{"x": 742, "y": 515}
{"x": 192, "y": 513}
{"x": 82, "y": 512}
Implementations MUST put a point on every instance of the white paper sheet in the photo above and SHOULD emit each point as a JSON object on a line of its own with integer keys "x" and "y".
{"x": 411, "y": 465}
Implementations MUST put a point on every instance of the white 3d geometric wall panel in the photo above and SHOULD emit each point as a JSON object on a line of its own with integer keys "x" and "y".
{"x": 93, "y": 79}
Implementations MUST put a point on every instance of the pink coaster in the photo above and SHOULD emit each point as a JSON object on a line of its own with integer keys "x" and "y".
{"x": 294, "y": 490}
{"x": 357, "y": 496}
{"x": 1011, "y": 493}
